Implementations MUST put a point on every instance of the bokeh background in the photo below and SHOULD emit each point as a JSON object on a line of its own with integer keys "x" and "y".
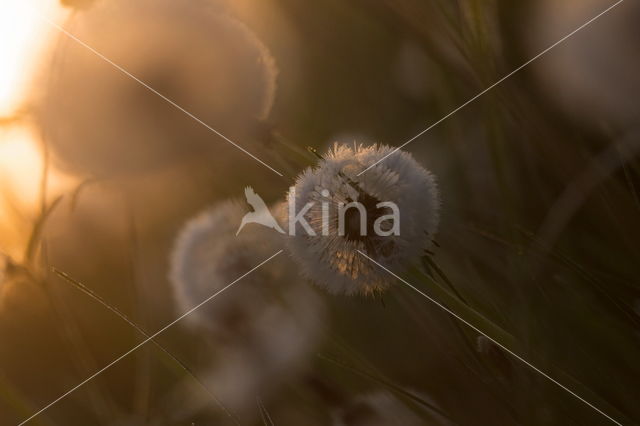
{"x": 539, "y": 181}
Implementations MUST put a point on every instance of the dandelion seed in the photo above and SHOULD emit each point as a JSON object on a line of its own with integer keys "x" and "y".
{"x": 102, "y": 122}
{"x": 331, "y": 258}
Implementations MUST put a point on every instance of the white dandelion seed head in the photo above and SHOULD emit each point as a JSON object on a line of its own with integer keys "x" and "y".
{"x": 103, "y": 122}
{"x": 208, "y": 256}
{"x": 381, "y": 409}
{"x": 262, "y": 329}
{"x": 332, "y": 261}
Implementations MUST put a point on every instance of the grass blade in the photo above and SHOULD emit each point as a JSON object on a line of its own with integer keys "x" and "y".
{"x": 78, "y": 285}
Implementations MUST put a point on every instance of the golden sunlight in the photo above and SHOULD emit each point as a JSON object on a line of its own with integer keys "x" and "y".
{"x": 23, "y": 37}
{"x": 21, "y": 167}
{"x": 22, "y": 34}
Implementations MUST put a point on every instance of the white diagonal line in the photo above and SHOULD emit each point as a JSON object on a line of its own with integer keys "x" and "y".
{"x": 515, "y": 355}
{"x": 128, "y": 74}
{"x": 506, "y": 77}
{"x": 144, "y": 342}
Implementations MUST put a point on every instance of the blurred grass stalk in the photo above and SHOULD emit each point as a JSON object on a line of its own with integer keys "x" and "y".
{"x": 483, "y": 325}
{"x": 174, "y": 361}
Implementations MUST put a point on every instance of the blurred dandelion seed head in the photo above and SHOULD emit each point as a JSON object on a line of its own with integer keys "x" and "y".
{"x": 332, "y": 261}
{"x": 103, "y": 122}
{"x": 262, "y": 329}
{"x": 208, "y": 256}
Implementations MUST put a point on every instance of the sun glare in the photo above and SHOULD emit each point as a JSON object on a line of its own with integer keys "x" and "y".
{"x": 22, "y": 35}
{"x": 21, "y": 167}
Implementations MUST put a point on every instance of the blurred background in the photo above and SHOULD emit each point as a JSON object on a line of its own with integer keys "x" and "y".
{"x": 539, "y": 181}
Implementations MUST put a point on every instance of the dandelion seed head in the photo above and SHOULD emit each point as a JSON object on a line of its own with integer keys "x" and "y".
{"x": 333, "y": 261}
{"x": 208, "y": 256}
{"x": 262, "y": 329}
{"x": 101, "y": 121}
